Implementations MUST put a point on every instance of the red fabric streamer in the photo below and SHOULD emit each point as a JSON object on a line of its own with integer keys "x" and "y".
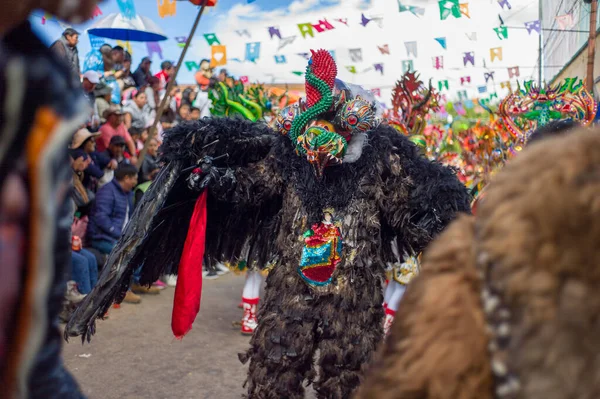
{"x": 188, "y": 290}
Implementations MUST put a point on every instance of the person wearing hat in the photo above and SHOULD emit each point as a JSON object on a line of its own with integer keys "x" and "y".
{"x": 66, "y": 48}
{"x": 142, "y": 73}
{"x": 84, "y": 140}
{"x": 114, "y": 126}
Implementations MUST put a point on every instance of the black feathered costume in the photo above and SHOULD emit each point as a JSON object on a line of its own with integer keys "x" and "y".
{"x": 326, "y": 224}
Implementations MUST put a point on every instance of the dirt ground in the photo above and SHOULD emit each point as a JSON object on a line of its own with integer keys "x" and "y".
{"x": 134, "y": 355}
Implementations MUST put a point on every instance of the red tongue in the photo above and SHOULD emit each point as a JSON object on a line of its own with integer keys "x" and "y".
{"x": 319, "y": 274}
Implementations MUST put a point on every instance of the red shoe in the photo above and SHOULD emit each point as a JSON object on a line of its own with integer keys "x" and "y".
{"x": 249, "y": 321}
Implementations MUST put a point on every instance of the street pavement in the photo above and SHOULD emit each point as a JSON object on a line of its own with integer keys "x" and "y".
{"x": 134, "y": 354}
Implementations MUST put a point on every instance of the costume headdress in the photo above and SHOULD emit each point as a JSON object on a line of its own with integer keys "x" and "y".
{"x": 321, "y": 128}
{"x": 531, "y": 107}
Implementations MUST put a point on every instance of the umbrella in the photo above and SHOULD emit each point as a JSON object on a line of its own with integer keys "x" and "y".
{"x": 136, "y": 29}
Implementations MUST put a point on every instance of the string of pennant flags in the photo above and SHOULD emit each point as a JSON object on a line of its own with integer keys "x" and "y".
{"x": 447, "y": 9}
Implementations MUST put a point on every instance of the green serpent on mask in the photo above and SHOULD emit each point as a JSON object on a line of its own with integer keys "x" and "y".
{"x": 322, "y": 106}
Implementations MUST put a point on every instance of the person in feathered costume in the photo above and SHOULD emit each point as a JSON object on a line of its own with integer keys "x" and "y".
{"x": 506, "y": 305}
{"x": 321, "y": 199}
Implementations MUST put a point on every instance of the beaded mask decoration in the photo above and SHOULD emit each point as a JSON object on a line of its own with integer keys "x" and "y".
{"x": 322, "y": 127}
{"x": 532, "y": 107}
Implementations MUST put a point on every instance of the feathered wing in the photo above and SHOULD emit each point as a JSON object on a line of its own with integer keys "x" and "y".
{"x": 437, "y": 348}
{"x": 420, "y": 197}
{"x": 242, "y": 211}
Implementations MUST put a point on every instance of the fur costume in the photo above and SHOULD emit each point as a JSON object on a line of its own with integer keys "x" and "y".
{"x": 526, "y": 269}
{"x": 325, "y": 223}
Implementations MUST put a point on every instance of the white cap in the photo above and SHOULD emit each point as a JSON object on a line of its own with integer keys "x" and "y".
{"x": 92, "y": 76}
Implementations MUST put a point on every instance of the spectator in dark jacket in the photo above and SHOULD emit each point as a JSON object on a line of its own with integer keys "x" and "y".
{"x": 142, "y": 73}
{"x": 66, "y": 48}
{"x": 112, "y": 210}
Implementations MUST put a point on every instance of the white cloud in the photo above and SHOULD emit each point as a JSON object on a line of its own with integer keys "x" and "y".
{"x": 298, "y": 6}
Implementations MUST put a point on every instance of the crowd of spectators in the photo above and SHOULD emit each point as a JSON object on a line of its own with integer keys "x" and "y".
{"x": 108, "y": 176}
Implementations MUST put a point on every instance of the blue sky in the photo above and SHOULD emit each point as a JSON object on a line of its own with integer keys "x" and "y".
{"x": 178, "y": 25}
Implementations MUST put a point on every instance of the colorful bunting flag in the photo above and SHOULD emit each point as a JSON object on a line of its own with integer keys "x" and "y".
{"x": 235, "y": 60}
{"x": 376, "y": 92}
{"x": 306, "y": 29}
{"x": 502, "y": 32}
{"x": 355, "y": 54}
{"x": 513, "y": 72}
{"x": 218, "y": 55}
{"x": 379, "y": 67}
{"x": 449, "y": 7}
{"x": 252, "y": 51}
{"x": 503, "y": 3}
{"x": 306, "y": 56}
{"x": 332, "y": 52}
{"x": 438, "y": 62}
{"x": 211, "y": 39}
{"x": 488, "y": 76}
{"x": 443, "y": 84}
{"x": 351, "y": 69}
{"x": 493, "y": 95}
{"x": 482, "y": 89}
{"x": 565, "y": 21}
{"x": 323, "y": 25}
{"x": 416, "y": 11}
{"x": 441, "y": 41}
{"x": 285, "y": 41}
{"x": 127, "y": 8}
{"x": 364, "y": 21}
{"x": 181, "y": 41}
{"x": 280, "y": 59}
{"x": 299, "y": 73}
{"x": 506, "y": 85}
{"x": 462, "y": 95}
{"x": 533, "y": 26}
{"x": 472, "y": 36}
{"x": 496, "y": 54}
{"x": 411, "y": 48}
{"x": 126, "y": 45}
{"x": 343, "y": 21}
{"x": 407, "y": 65}
{"x": 153, "y": 48}
{"x": 465, "y": 79}
{"x": 97, "y": 12}
{"x": 274, "y": 31}
{"x": 244, "y": 79}
{"x": 469, "y": 104}
{"x": 243, "y": 32}
{"x": 192, "y": 65}
{"x": 464, "y": 9}
{"x": 469, "y": 57}
{"x": 385, "y": 49}
{"x": 167, "y": 8}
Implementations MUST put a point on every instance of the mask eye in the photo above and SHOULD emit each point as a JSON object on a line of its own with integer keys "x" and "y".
{"x": 287, "y": 125}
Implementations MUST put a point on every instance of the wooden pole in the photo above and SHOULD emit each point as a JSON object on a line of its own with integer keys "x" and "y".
{"x": 589, "y": 81}
{"x": 167, "y": 98}
{"x": 540, "y": 45}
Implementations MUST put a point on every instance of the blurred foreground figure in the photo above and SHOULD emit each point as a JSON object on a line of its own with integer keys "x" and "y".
{"x": 506, "y": 305}
{"x": 41, "y": 106}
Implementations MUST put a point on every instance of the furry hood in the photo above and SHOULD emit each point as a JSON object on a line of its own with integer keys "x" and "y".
{"x": 507, "y": 303}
